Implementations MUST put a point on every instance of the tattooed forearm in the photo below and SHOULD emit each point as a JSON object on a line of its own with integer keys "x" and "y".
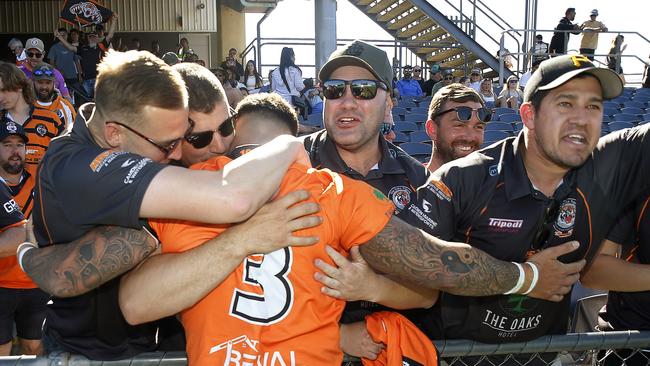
{"x": 412, "y": 255}
{"x": 100, "y": 255}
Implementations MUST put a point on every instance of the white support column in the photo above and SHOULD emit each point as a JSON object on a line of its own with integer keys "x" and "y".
{"x": 325, "y": 30}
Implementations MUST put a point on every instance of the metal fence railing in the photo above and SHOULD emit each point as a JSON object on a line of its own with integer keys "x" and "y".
{"x": 629, "y": 348}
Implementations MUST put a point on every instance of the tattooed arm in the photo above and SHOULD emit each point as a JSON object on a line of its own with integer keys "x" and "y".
{"x": 100, "y": 255}
{"x": 411, "y": 255}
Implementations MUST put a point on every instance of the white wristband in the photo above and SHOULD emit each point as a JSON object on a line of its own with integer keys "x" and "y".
{"x": 21, "y": 250}
{"x": 533, "y": 266}
{"x": 520, "y": 281}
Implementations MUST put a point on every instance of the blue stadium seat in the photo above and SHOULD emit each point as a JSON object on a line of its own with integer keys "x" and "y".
{"x": 314, "y": 120}
{"x": 490, "y": 105}
{"x": 501, "y": 110}
{"x": 609, "y": 103}
{"x": 398, "y": 111}
{"x": 607, "y": 119}
{"x": 615, "y": 126}
{"x": 415, "y": 117}
{"x": 636, "y": 104}
{"x": 621, "y": 99}
{"x": 625, "y": 117}
{"x": 400, "y": 137}
{"x": 405, "y": 126}
{"x": 416, "y": 148}
{"x": 408, "y": 104}
{"x": 499, "y": 126}
{"x": 644, "y": 122}
{"x": 632, "y": 110}
{"x": 495, "y": 135}
{"x": 510, "y": 117}
{"x": 645, "y": 117}
{"x": 420, "y": 110}
{"x": 518, "y": 126}
{"x": 419, "y": 136}
{"x": 610, "y": 111}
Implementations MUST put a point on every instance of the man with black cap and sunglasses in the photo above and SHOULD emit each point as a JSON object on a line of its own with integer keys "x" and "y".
{"x": 554, "y": 182}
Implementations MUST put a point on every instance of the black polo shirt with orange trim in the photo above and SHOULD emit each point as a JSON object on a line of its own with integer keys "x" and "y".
{"x": 397, "y": 175}
{"x": 629, "y": 310}
{"x": 487, "y": 201}
{"x": 80, "y": 186}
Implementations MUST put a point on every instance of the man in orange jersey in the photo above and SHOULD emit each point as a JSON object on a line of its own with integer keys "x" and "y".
{"x": 21, "y": 302}
{"x": 270, "y": 308}
{"x": 49, "y": 98}
{"x": 17, "y": 105}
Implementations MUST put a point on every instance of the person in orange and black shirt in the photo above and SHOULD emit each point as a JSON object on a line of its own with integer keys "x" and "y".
{"x": 17, "y": 105}
{"x": 48, "y": 98}
{"x": 20, "y": 301}
{"x": 269, "y": 306}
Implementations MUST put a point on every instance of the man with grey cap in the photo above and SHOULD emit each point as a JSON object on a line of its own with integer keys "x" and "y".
{"x": 35, "y": 51}
{"x": 554, "y": 182}
{"x": 590, "y": 30}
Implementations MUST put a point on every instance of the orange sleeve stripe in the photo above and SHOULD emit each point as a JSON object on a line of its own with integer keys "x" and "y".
{"x": 19, "y": 223}
{"x": 588, "y": 219}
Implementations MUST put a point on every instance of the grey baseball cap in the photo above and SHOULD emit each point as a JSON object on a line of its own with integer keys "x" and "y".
{"x": 362, "y": 54}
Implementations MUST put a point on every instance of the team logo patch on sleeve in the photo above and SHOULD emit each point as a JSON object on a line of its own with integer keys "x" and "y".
{"x": 400, "y": 195}
{"x": 11, "y": 206}
{"x": 440, "y": 190}
{"x": 566, "y": 218}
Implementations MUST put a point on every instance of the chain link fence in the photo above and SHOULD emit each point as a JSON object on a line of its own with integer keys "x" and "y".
{"x": 630, "y": 348}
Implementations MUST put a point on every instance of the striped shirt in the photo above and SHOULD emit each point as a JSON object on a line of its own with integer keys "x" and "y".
{"x": 62, "y": 107}
{"x": 41, "y": 127}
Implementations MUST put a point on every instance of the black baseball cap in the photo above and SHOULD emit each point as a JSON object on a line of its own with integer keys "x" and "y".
{"x": 558, "y": 70}
{"x": 362, "y": 54}
{"x": 8, "y": 128}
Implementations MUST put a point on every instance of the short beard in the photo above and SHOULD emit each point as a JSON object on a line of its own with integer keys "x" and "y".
{"x": 13, "y": 169}
{"x": 49, "y": 98}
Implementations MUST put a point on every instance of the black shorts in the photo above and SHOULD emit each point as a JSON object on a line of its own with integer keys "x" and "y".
{"x": 25, "y": 307}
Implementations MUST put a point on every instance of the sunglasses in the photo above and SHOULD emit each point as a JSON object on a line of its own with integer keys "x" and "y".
{"x": 513, "y": 81}
{"x": 167, "y": 149}
{"x": 361, "y": 88}
{"x": 34, "y": 54}
{"x": 545, "y": 227}
{"x": 449, "y": 78}
{"x": 386, "y": 128}
{"x": 464, "y": 114}
{"x": 200, "y": 140}
{"x": 43, "y": 72}
{"x": 416, "y": 70}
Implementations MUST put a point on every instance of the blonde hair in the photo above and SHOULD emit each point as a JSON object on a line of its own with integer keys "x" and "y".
{"x": 129, "y": 81}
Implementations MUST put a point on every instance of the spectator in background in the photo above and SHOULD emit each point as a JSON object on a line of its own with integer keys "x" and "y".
{"x": 464, "y": 80}
{"x": 16, "y": 47}
{"x": 286, "y": 80}
{"x": 539, "y": 51}
{"x": 191, "y": 57}
{"x": 252, "y": 78}
{"x": 510, "y": 96}
{"x": 232, "y": 54}
{"x": 105, "y": 39}
{"x": 231, "y": 64}
{"x": 407, "y": 87}
{"x": 220, "y": 73}
{"x": 487, "y": 92}
{"x": 475, "y": 79}
{"x": 590, "y": 30}
{"x": 89, "y": 55}
{"x": 184, "y": 49}
{"x": 170, "y": 58}
{"x": 35, "y": 54}
{"x": 417, "y": 75}
{"x": 388, "y": 127}
{"x": 447, "y": 78}
{"x": 614, "y": 57}
{"x": 560, "y": 40}
{"x": 524, "y": 78}
{"x": 314, "y": 96}
{"x": 434, "y": 77}
{"x": 48, "y": 98}
{"x": 74, "y": 37}
{"x": 66, "y": 61}
{"x": 134, "y": 45}
{"x": 155, "y": 48}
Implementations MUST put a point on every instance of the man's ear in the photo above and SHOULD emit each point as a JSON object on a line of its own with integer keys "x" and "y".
{"x": 113, "y": 134}
{"x": 527, "y": 113}
{"x": 432, "y": 129}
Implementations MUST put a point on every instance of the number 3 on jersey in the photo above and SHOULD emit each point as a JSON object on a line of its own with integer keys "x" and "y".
{"x": 276, "y": 299}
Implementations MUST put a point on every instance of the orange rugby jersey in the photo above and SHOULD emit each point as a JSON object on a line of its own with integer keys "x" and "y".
{"x": 63, "y": 109}
{"x": 11, "y": 276}
{"x": 42, "y": 126}
{"x": 270, "y": 310}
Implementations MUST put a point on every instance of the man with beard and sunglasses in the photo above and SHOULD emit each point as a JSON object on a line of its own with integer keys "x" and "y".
{"x": 454, "y": 128}
{"x": 49, "y": 98}
{"x": 35, "y": 51}
{"x": 110, "y": 169}
{"x": 554, "y": 182}
{"x": 21, "y": 301}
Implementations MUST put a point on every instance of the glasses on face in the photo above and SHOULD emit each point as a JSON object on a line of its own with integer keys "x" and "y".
{"x": 44, "y": 72}
{"x": 361, "y": 88}
{"x": 417, "y": 70}
{"x": 167, "y": 149}
{"x": 513, "y": 81}
{"x": 34, "y": 54}
{"x": 464, "y": 114}
{"x": 386, "y": 128}
{"x": 449, "y": 78}
{"x": 202, "y": 139}
{"x": 545, "y": 226}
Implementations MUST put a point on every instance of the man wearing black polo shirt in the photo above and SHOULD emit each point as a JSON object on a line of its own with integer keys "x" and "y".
{"x": 109, "y": 170}
{"x": 554, "y": 182}
{"x": 352, "y": 144}
{"x": 626, "y": 252}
